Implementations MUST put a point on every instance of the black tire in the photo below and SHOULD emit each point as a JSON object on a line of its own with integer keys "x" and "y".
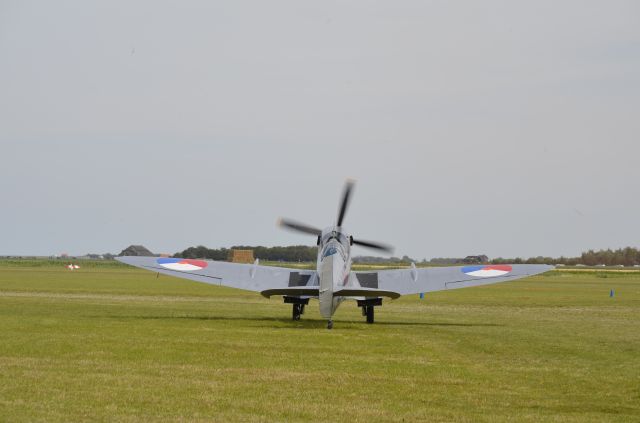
{"x": 330, "y": 324}
{"x": 295, "y": 314}
{"x": 370, "y": 310}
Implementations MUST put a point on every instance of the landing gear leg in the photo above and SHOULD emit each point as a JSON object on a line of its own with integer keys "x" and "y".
{"x": 298, "y": 306}
{"x": 298, "y": 309}
{"x": 370, "y": 310}
{"x": 330, "y": 324}
{"x": 368, "y": 306}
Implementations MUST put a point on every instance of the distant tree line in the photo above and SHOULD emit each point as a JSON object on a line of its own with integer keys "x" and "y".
{"x": 623, "y": 256}
{"x": 390, "y": 260}
{"x": 291, "y": 253}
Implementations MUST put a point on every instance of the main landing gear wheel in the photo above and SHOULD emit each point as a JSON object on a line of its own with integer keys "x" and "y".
{"x": 368, "y": 306}
{"x": 298, "y": 309}
{"x": 369, "y": 312}
{"x": 330, "y": 324}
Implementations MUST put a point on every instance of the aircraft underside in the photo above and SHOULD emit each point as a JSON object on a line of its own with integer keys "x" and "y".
{"x": 366, "y": 304}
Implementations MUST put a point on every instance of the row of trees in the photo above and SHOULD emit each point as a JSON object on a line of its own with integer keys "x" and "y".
{"x": 623, "y": 256}
{"x": 292, "y": 253}
{"x": 378, "y": 260}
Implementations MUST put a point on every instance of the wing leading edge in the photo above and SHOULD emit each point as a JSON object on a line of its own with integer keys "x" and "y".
{"x": 430, "y": 279}
{"x": 251, "y": 277}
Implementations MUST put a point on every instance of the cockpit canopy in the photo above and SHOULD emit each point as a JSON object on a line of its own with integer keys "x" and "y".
{"x": 330, "y": 250}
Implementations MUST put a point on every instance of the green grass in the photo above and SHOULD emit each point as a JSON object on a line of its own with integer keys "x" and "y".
{"x": 116, "y": 343}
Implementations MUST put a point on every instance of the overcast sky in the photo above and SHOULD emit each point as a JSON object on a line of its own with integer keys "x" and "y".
{"x": 499, "y": 127}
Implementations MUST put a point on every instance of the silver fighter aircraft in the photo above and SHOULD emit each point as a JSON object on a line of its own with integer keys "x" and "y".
{"x": 333, "y": 281}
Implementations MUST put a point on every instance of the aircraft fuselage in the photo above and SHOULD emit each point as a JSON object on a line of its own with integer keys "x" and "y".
{"x": 334, "y": 267}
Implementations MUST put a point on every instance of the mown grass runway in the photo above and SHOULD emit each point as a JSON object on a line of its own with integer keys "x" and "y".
{"x": 108, "y": 342}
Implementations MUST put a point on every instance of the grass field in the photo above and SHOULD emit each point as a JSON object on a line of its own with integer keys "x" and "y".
{"x": 108, "y": 342}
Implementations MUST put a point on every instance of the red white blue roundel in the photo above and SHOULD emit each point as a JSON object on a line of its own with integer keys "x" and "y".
{"x": 181, "y": 264}
{"x": 486, "y": 271}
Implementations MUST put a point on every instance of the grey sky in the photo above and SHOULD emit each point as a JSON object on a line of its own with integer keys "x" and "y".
{"x": 498, "y": 127}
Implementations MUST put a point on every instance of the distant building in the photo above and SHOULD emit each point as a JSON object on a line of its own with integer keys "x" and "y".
{"x": 241, "y": 256}
{"x": 136, "y": 250}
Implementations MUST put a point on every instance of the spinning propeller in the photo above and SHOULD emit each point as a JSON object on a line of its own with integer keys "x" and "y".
{"x": 311, "y": 230}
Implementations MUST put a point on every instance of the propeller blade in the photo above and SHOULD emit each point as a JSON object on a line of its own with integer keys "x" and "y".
{"x": 375, "y": 245}
{"x": 345, "y": 201}
{"x": 300, "y": 227}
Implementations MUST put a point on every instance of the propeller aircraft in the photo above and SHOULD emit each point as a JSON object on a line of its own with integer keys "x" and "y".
{"x": 333, "y": 281}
